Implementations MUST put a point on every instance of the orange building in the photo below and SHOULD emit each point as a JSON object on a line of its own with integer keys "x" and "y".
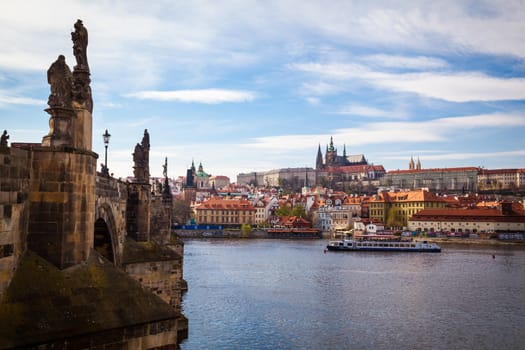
{"x": 396, "y": 208}
{"x": 217, "y": 211}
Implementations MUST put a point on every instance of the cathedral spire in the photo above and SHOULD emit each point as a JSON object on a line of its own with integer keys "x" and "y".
{"x": 344, "y": 150}
{"x": 331, "y": 144}
{"x": 319, "y": 159}
{"x": 411, "y": 165}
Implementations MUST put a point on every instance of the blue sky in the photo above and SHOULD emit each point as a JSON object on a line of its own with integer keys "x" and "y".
{"x": 247, "y": 86}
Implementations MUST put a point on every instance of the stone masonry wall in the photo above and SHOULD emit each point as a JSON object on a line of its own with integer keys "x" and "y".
{"x": 160, "y": 220}
{"x": 14, "y": 210}
{"x": 62, "y": 204}
{"x": 112, "y": 196}
{"x": 138, "y": 211}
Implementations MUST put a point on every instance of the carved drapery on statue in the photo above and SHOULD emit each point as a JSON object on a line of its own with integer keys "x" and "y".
{"x": 80, "y": 42}
{"x": 60, "y": 79}
{"x": 81, "y": 88}
{"x": 60, "y": 109}
{"x": 141, "y": 159}
{"x": 70, "y": 97}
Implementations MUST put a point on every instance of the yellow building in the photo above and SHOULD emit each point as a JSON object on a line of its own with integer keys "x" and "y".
{"x": 218, "y": 211}
{"x": 394, "y": 209}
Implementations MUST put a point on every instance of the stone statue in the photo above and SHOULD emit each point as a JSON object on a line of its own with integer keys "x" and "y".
{"x": 80, "y": 42}
{"x": 145, "y": 140}
{"x": 3, "y": 139}
{"x": 141, "y": 159}
{"x": 138, "y": 155}
{"x": 165, "y": 168}
{"x": 61, "y": 80}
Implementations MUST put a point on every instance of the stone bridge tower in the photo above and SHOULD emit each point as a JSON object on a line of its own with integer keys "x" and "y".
{"x": 63, "y": 167}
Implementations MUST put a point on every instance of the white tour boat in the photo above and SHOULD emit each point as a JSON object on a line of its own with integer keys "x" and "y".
{"x": 364, "y": 245}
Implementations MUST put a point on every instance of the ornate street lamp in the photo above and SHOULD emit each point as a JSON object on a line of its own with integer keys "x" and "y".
{"x": 106, "y": 137}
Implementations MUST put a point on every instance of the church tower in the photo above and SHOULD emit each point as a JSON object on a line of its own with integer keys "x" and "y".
{"x": 411, "y": 165}
{"x": 331, "y": 153}
{"x": 319, "y": 159}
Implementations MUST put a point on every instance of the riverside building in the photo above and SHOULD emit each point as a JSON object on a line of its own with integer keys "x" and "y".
{"x": 506, "y": 217}
{"x": 229, "y": 212}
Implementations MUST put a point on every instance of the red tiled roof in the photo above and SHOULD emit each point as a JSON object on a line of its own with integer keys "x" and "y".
{"x": 226, "y": 204}
{"x": 477, "y": 214}
{"x": 355, "y": 168}
{"x": 436, "y": 170}
{"x": 410, "y": 196}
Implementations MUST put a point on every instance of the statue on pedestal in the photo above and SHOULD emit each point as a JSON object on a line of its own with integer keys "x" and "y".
{"x": 3, "y": 139}
{"x": 80, "y": 42}
{"x": 60, "y": 79}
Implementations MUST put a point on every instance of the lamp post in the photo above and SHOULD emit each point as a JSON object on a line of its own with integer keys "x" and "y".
{"x": 106, "y": 137}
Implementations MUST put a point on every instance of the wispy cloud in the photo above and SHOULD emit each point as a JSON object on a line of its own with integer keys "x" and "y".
{"x": 6, "y": 99}
{"x": 371, "y": 112}
{"x": 454, "y": 87}
{"x": 459, "y": 87}
{"x": 435, "y": 130}
{"x": 405, "y": 62}
{"x": 207, "y": 96}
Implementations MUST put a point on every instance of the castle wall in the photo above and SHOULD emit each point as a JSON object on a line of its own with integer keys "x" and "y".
{"x": 14, "y": 211}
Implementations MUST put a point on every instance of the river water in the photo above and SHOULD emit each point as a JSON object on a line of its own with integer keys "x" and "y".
{"x": 270, "y": 294}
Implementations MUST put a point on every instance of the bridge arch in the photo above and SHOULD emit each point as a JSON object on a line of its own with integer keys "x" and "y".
{"x": 106, "y": 240}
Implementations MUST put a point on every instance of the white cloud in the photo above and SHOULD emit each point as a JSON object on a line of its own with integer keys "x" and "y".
{"x": 455, "y": 87}
{"x": 6, "y": 99}
{"x": 405, "y": 62}
{"x": 459, "y": 87}
{"x": 208, "y": 96}
{"x": 436, "y": 130}
{"x": 365, "y": 111}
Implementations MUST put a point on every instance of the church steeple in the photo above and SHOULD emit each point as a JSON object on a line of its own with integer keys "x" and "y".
{"x": 331, "y": 144}
{"x": 319, "y": 159}
{"x": 411, "y": 165}
{"x": 306, "y": 184}
{"x": 344, "y": 150}
{"x": 418, "y": 165}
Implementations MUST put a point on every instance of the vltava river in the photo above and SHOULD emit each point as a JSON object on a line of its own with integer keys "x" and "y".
{"x": 270, "y": 294}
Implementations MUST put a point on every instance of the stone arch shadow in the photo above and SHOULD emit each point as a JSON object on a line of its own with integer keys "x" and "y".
{"x": 105, "y": 240}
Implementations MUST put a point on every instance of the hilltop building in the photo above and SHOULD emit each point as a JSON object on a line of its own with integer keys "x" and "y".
{"x": 341, "y": 172}
{"x": 288, "y": 178}
{"x": 498, "y": 179}
{"x": 464, "y": 179}
{"x": 332, "y": 159}
{"x": 346, "y": 172}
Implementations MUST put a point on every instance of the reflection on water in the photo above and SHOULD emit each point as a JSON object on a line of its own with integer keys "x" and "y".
{"x": 266, "y": 294}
